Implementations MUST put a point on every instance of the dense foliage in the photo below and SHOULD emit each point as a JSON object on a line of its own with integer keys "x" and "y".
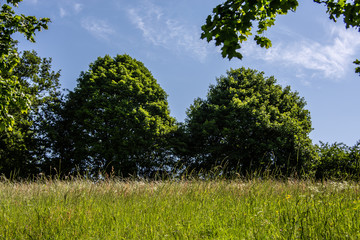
{"x": 338, "y": 161}
{"x": 114, "y": 120}
{"x": 12, "y": 96}
{"x": 23, "y": 147}
{"x": 249, "y": 123}
{"x": 26, "y": 83}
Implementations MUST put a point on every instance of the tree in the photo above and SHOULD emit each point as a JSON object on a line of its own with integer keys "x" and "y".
{"x": 22, "y": 148}
{"x": 114, "y": 120}
{"x": 248, "y": 123}
{"x": 232, "y": 21}
{"x": 337, "y": 161}
{"x": 11, "y": 93}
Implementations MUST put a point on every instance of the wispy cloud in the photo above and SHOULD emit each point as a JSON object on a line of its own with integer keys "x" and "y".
{"x": 62, "y": 12}
{"x": 97, "y": 27}
{"x": 31, "y": 1}
{"x": 162, "y": 30}
{"x": 70, "y": 8}
{"x": 331, "y": 59}
{"x": 77, "y": 7}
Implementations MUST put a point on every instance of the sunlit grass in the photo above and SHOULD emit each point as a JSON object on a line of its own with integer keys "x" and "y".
{"x": 218, "y": 209}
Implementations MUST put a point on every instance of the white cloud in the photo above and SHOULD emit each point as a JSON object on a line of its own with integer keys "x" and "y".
{"x": 98, "y": 28}
{"x": 63, "y": 12}
{"x": 68, "y": 9}
{"x": 77, "y": 7}
{"x": 332, "y": 60}
{"x": 161, "y": 30}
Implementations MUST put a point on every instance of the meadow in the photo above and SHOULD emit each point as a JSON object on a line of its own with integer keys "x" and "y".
{"x": 179, "y": 209}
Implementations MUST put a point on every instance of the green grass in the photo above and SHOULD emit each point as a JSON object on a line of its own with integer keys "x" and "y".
{"x": 195, "y": 209}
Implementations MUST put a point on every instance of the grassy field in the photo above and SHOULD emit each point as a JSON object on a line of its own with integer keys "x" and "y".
{"x": 195, "y": 209}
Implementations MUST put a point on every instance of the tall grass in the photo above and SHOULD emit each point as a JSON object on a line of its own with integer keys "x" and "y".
{"x": 188, "y": 209}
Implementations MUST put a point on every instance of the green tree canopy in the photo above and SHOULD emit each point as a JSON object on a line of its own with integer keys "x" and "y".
{"x": 114, "y": 119}
{"x": 337, "y": 161}
{"x": 12, "y": 95}
{"x": 23, "y": 147}
{"x": 248, "y": 122}
{"x": 232, "y": 21}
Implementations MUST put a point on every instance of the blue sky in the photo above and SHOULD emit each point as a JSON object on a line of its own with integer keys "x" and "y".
{"x": 310, "y": 53}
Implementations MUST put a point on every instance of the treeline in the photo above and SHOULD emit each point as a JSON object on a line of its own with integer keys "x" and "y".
{"x": 117, "y": 122}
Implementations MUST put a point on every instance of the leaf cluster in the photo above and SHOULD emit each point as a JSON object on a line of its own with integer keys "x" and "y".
{"x": 232, "y": 23}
